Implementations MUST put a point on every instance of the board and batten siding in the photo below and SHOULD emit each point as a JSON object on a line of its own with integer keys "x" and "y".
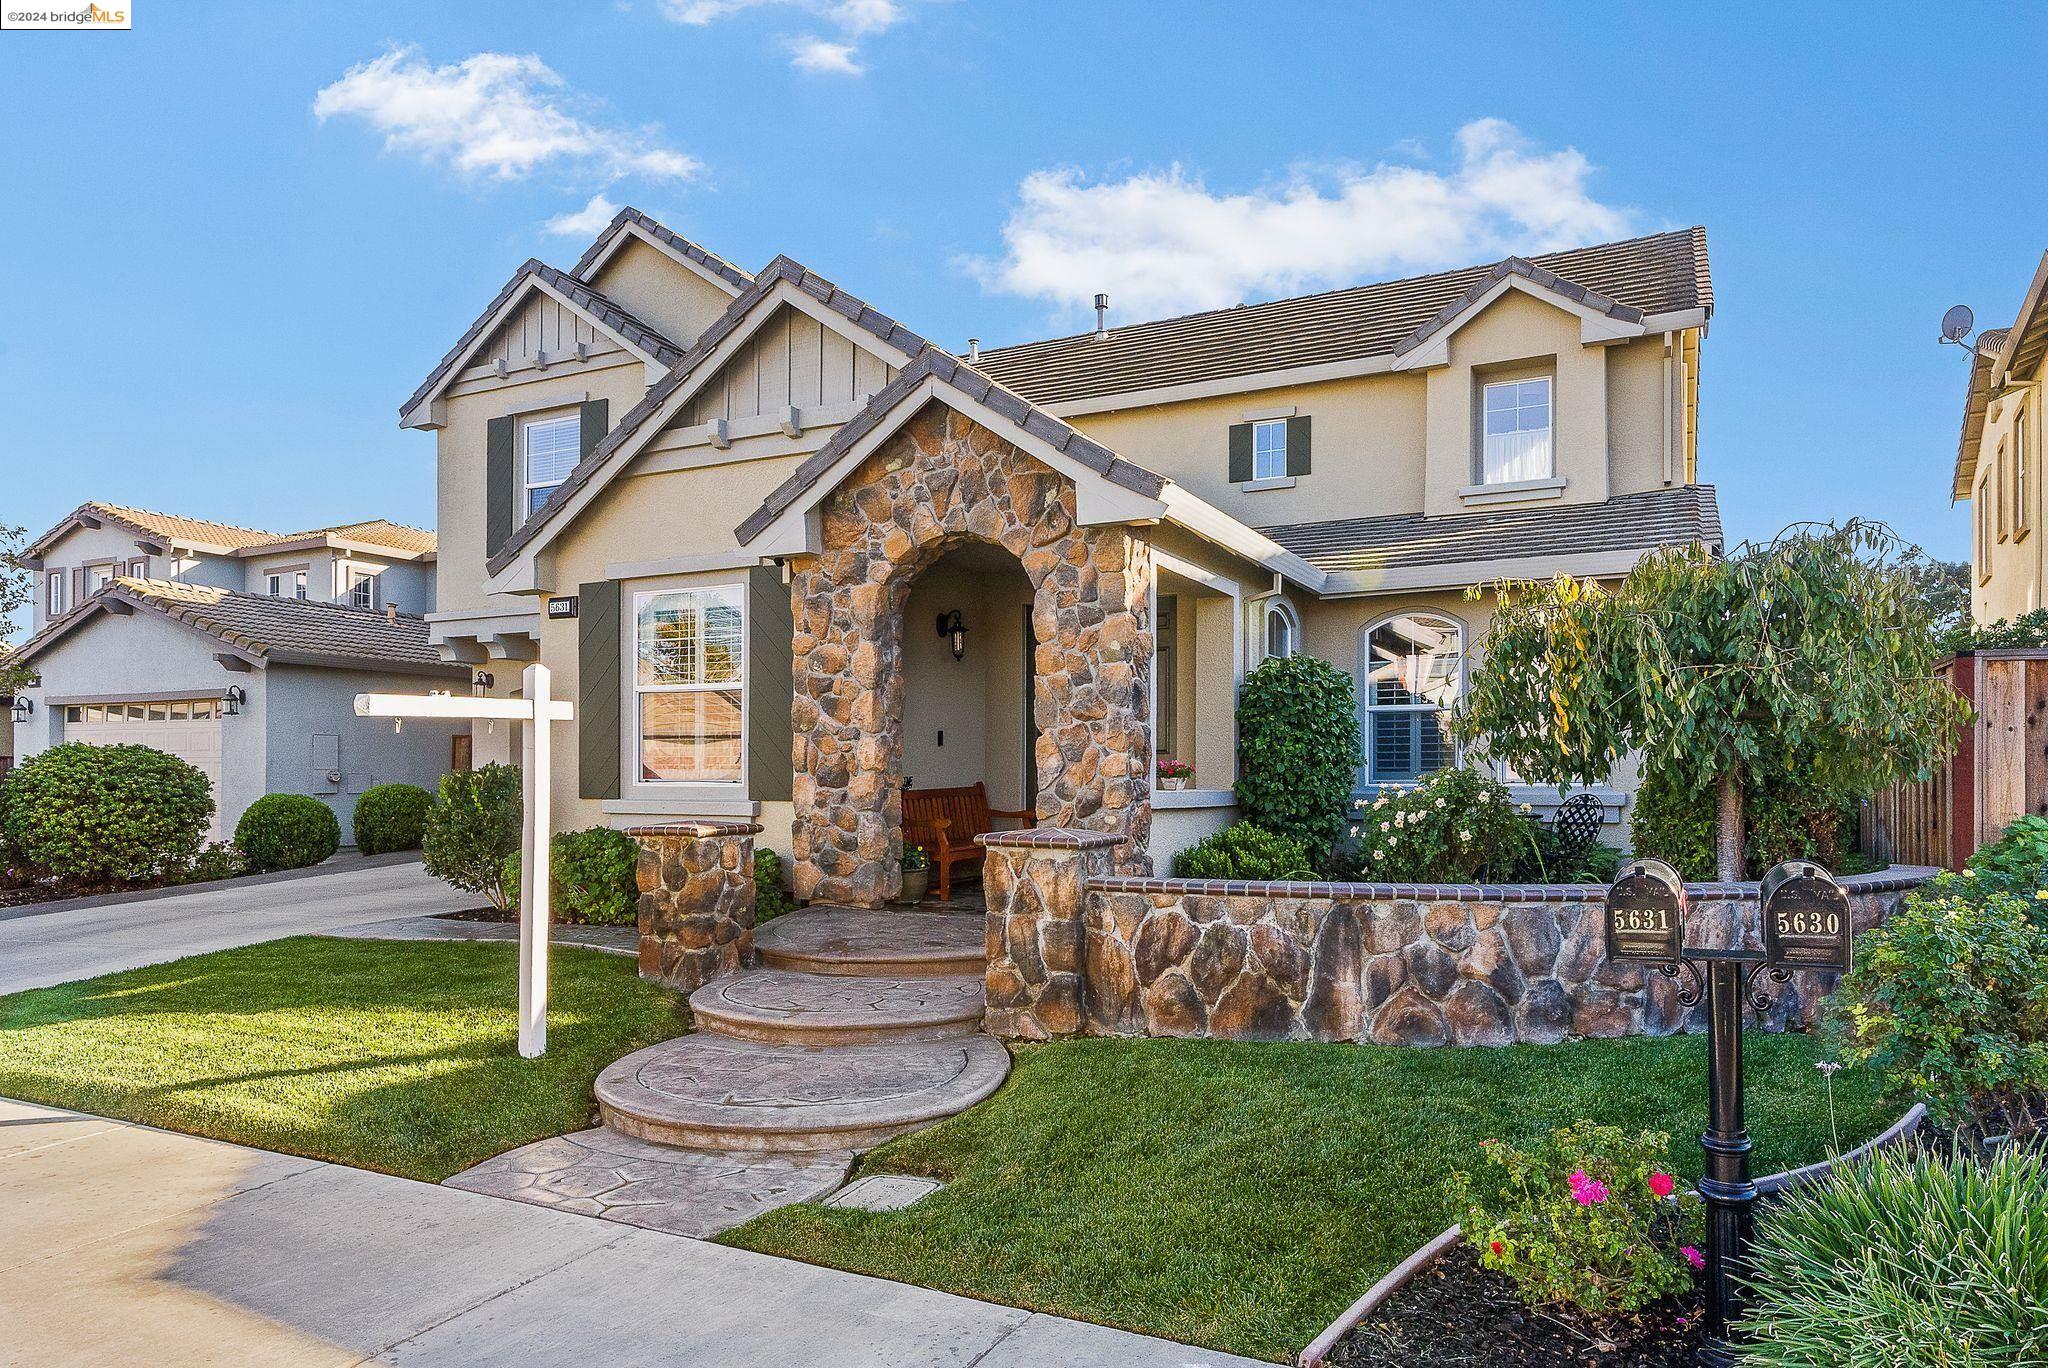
{"x": 793, "y": 360}
{"x": 543, "y": 325}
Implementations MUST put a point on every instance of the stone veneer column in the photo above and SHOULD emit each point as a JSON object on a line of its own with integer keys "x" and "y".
{"x": 945, "y": 481}
{"x": 696, "y": 900}
{"x": 1037, "y": 883}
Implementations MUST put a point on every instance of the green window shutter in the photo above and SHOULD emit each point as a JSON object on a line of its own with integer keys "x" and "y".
{"x": 597, "y": 689}
{"x": 596, "y": 422}
{"x": 771, "y": 629}
{"x": 1297, "y": 445}
{"x": 1240, "y": 452}
{"x": 500, "y": 491}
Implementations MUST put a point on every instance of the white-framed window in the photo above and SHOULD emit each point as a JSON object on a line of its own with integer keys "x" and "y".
{"x": 285, "y": 584}
{"x": 1516, "y": 416}
{"x": 2022, "y": 471}
{"x": 362, "y": 588}
{"x": 689, "y": 684}
{"x": 1269, "y": 449}
{"x": 55, "y": 593}
{"x": 1982, "y": 505}
{"x": 1283, "y": 630}
{"x": 139, "y": 568}
{"x": 98, "y": 577}
{"x": 549, "y": 446}
{"x": 1413, "y": 669}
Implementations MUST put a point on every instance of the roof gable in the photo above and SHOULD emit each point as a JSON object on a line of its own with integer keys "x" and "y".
{"x": 1600, "y": 319}
{"x": 161, "y": 529}
{"x": 629, "y": 224}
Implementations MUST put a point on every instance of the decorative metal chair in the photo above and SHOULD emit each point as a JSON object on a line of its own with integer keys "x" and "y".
{"x": 1576, "y": 825}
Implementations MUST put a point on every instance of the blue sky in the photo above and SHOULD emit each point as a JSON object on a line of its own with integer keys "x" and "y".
{"x": 220, "y": 294}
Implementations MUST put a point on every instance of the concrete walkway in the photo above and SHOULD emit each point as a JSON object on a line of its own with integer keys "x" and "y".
{"x": 609, "y": 940}
{"x": 122, "y": 1244}
{"x": 40, "y": 947}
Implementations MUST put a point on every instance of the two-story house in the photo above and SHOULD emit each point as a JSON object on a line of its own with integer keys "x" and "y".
{"x": 791, "y": 558}
{"x": 236, "y": 649}
{"x": 1998, "y": 461}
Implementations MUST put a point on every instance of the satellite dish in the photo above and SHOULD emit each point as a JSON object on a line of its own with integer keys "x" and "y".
{"x": 1956, "y": 323}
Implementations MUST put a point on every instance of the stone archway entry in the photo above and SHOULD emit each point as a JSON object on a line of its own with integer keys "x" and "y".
{"x": 941, "y": 482}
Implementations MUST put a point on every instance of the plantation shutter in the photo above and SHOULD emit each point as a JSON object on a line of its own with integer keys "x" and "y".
{"x": 596, "y": 421}
{"x": 597, "y": 689}
{"x": 771, "y": 687}
{"x": 1297, "y": 445}
{"x": 1240, "y": 453}
{"x": 500, "y": 492}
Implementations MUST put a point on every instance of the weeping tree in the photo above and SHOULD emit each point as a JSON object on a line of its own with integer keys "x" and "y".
{"x": 15, "y": 582}
{"x": 1810, "y": 655}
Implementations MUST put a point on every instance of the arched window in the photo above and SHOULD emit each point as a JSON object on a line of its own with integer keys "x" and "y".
{"x": 1413, "y": 668}
{"x": 1283, "y": 630}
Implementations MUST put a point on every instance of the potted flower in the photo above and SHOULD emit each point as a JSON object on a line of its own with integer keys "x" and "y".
{"x": 1175, "y": 775}
{"x": 917, "y": 874}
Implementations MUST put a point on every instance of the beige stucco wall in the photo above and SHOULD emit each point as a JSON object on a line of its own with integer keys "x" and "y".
{"x": 661, "y": 292}
{"x": 2006, "y": 554}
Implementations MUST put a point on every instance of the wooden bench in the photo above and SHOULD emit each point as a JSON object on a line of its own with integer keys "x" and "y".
{"x": 945, "y": 822}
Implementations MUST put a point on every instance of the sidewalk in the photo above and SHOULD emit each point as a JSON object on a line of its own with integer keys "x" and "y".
{"x": 122, "y": 1244}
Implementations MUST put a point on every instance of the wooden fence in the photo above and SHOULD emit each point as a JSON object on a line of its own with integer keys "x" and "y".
{"x": 1999, "y": 770}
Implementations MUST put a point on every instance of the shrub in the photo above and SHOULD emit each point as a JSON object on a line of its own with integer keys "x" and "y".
{"x": 219, "y": 860}
{"x": 1788, "y": 820}
{"x": 98, "y": 814}
{"x": 286, "y": 831}
{"x": 471, "y": 829}
{"x": 1588, "y": 1216}
{"x": 1298, "y": 756}
{"x": 391, "y": 817}
{"x": 593, "y": 881}
{"x": 1454, "y": 827}
{"x": 1922, "y": 1259}
{"x": 771, "y": 900}
{"x": 1243, "y": 851}
{"x": 2019, "y": 856}
{"x": 1949, "y": 997}
{"x": 1544, "y": 861}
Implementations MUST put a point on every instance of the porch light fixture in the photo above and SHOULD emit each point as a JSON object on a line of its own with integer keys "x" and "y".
{"x": 231, "y": 700}
{"x": 480, "y": 682}
{"x": 950, "y": 625}
{"x": 24, "y": 708}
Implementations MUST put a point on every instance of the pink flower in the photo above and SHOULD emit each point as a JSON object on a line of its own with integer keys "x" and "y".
{"x": 1586, "y": 1191}
{"x": 1661, "y": 1184}
{"x": 1692, "y": 1256}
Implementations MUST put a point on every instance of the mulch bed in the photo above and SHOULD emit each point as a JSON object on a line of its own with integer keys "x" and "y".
{"x": 510, "y": 917}
{"x": 1456, "y": 1313}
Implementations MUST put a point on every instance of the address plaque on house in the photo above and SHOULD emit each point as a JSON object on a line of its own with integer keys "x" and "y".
{"x": 1646, "y": 914}
{"x": 564, "y": 607}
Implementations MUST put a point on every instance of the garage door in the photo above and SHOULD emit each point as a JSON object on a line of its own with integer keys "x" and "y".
{"x": 188, "y": 729}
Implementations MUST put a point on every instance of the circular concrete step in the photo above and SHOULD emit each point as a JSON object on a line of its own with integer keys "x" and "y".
{"x": 713, "y": 1092}
{"x": 788, "y": 1008}
{"x": 839, "y": 940}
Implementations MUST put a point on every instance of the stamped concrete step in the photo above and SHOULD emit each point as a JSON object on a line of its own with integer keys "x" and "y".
{"x": 713, "y": 1092}
{"x": 840, "y": 940}
{"x": 784, "y": 1007}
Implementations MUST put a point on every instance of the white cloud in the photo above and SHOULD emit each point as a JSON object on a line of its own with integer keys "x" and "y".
{"x": 494, "y": 114}
{"x": 588, "y": 221}
{"x": 854, "y": 19}
{"x": 1161, "y": 242}
{"x": 820, "y": 56}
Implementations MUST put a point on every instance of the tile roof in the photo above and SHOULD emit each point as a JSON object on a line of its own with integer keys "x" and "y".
{"x": 600, "y": 306}
{"x": 370, "y": 532}
{"x": 855, "y": 310}
{"x": 282, "y": 630}
{"x": 172, "y": 527}
{"x": 710, "y": 261}
{"x": 1656, "y": 274}
{"x": 941, "y": 366}
{"x": 1627, "y": 522}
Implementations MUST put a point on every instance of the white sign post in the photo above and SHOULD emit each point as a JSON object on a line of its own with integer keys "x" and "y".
{"x": 539, "y": 711}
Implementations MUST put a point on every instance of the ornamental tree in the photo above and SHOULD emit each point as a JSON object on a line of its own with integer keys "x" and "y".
{"x": 15, "y": 590}
{"x": 1810, "y": 655}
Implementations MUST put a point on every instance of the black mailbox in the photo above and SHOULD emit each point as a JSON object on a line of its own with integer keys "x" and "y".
{"x": 1645, "y": 914}
{"x": 1806, "y": 918}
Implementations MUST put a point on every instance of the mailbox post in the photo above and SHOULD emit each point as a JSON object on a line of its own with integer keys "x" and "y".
{"x": 1806, "y": 925}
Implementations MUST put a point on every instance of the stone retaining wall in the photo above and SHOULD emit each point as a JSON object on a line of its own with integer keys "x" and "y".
{"x": 1075, "y": 949}
{"x": 696, "y": 900}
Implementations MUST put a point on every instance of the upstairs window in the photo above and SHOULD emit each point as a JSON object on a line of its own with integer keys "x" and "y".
{"x": 1517, "y": 444}
{"x": 285, "y": 584}
{"x": 2023, "y": 471}
{"x": 549, "y": 447}
{"x": 54, "y": 599}
{"x": 1414, "y": 670}
{"x": 362, "y": 588}
{"x": 1269, "y": 449}
{"x": 98, "y": 577}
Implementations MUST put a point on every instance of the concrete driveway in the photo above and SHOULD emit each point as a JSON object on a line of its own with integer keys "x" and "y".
{"x": 41, "y": 946}
{"x": 121, "y": 1244}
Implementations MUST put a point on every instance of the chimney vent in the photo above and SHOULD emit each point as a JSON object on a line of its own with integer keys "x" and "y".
{"x": 391, "y": 613}
{"x": 974, "y": 349}
{"x": 1102, "y": 315}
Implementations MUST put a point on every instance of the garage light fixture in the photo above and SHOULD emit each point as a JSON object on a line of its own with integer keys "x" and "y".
{"x": 231, "y": 700}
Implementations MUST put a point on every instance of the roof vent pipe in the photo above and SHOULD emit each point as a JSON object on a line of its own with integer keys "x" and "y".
{"x": 1102, "y": 315}
{"x": 974, "y": 349}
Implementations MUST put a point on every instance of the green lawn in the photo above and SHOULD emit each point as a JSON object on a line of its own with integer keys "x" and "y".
{"x": 1239, "y": 1196}
{"x": 397, "y": 1056}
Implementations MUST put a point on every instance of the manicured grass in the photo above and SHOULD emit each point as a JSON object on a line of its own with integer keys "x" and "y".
{"x": 390, "y": 1055}
{"x": 1239, "y": 1196}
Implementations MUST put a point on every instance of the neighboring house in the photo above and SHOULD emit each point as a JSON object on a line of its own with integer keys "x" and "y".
{"x": 740, "y": 516}
{"x": 1998, "y": 461}
{"x": 236, "y": 649}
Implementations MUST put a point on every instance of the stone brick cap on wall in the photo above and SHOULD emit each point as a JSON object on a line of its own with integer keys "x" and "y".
{"x": 1889, "y": 880}
{"x": 702, "y": 831}
{"x": 1052, "y": 838}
